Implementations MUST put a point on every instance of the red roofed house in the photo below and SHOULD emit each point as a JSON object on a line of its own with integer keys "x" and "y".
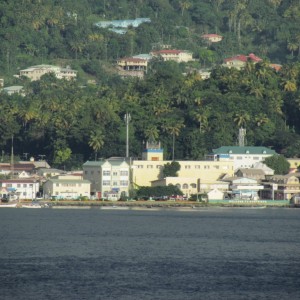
{"x": 239, "y": 61}
{"x": 175, "y": 55}
{"x": 212, "y": 37}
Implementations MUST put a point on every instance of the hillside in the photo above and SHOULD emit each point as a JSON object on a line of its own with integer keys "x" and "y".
{"x": 73, "y": 121}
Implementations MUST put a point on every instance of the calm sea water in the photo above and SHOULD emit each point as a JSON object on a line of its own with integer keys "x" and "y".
{"x": 93, "y": 254}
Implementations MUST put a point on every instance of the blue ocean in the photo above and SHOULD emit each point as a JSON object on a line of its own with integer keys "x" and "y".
{"x": 213, "y": 253}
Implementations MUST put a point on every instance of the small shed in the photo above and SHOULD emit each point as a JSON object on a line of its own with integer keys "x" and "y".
{"x": 215, "y": 194}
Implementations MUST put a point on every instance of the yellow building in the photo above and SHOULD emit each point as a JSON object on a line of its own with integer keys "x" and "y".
{"x": 206, "y": 172}
{"x": 193, "y": 175}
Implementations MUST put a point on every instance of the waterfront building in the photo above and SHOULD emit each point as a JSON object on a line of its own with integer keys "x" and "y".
{"x": 110, "y": 178}
{"x": 22, "y": 188}
{"x": 66, "y": 187}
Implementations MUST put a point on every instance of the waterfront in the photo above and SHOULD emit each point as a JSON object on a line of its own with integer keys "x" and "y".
{"x": 212, "y": 253}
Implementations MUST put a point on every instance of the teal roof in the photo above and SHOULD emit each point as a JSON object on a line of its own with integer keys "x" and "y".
{"x": 243, "y": 150}
{"x": 94, "y": 163}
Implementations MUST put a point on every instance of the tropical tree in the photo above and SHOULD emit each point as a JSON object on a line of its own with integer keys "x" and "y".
{"x": 278, "y": 163}
{"x": 96, "y": 141}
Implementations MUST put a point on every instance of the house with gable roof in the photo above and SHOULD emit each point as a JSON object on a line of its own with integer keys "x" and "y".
{"x": 239, "y": 61}
{"x": 212, "y": 37}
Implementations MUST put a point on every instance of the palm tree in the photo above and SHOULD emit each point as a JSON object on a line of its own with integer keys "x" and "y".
{"x": 151, "y": 133}
{"x": 174, "y": 129}
{"x": 96, "y": 141}
{"x": 184, "y": 5}
{"x": 241, "y": 118}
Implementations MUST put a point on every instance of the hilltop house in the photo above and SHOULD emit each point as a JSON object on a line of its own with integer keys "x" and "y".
{"x": 36, "y": 72}
{"x": 174, "y": 55}
{"x": 132, "y": 66}
{"x": 212, "y": 37}
{"x": 239, "y": 61}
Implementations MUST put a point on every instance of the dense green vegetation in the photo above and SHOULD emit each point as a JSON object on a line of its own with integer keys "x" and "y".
{"x": 70, "y": 122}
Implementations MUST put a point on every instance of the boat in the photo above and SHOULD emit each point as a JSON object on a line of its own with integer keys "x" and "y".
{"x": 30, "y": 206}
{"x": 8, "y": 205}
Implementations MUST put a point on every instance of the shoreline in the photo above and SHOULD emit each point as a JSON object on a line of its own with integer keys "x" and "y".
{"x": 154, "y": 205}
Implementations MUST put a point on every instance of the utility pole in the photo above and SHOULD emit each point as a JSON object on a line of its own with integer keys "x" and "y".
{"x": 127, "y": 119}
{"x": 12, "y": 157}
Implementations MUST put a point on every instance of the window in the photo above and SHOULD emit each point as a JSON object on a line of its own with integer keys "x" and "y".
{"x": 9, "y": 185}
{"x": 115, "y": 183}
{"x": 193, "y": 185}
{"x": 24, "y": 185}
{"x": 106, "y": 173}
{"x": 187, "y": 167}
{"x": 85, "y": 172}
{"x": 239, "y": 157}
{"x": 159, "y": 167}
{"x": 123, "y": 183}
{"x": 197, "y": 167}
{"x": 149, "y": 166}
{"x": 178, "y": 185}
{"x": 185, "y": 186}
{"x": 140, "y": 166}
{"x": 106, "y": 182}
{"x": 124, "y": 173}
{"x": 18, "y": 185}
{"x": 216, "y": 167}
{"x": 115, "y": 173}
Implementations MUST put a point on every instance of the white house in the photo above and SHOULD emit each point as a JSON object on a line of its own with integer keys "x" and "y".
{"x": 66, "y": 187}
{"x": 23, "y": 188}
{"x": 215, "y": 194}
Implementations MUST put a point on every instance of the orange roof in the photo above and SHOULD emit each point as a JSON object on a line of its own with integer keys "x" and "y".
{"x": 244, "y": 58}
{"x": 209, "y": 35}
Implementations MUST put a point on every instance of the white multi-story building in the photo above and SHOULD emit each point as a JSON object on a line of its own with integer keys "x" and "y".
{"x": 26, "y": 188}
{"x": 110, "y": 179}
{"x": 243, "y": 157}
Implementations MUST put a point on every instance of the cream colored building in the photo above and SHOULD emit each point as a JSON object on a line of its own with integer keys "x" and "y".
{"x": 36, "y": 72}
{"x": 206, "y": 172}
{"x": 66, "y": 187}
{"x": 193, "y": 175}
{"x": 175, "y": 55}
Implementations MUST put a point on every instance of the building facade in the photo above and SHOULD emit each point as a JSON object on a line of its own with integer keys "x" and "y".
{"x": 66, "y": 187}
{"x": 110, "y": 179}
{"x": 243, "y": 157}
{"x": 22, "y": 188}
{"x": 174, "y": 55}
{"x": 36, "y": 72}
